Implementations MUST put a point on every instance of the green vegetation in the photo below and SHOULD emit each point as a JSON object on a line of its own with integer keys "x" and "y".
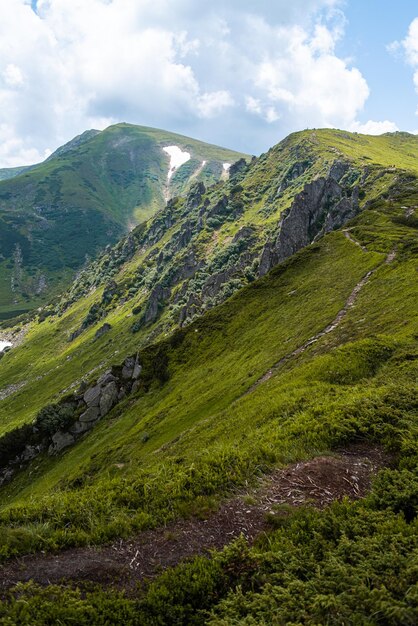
{"x": 191, "y": 433}
{"x": 85, "y": 196}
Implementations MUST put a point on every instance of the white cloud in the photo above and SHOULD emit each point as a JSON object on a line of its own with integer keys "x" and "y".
{"x": 410, "y": 48}
{"x": 12, "y": 76}
{"x": 374, "y": 128}
{"x": 316, "y": 87}
{"x": 410, "y": 43}
{"x": 268, "y": 113}
{"x": 212, "y": 104}
{"x": 217, "y": 69}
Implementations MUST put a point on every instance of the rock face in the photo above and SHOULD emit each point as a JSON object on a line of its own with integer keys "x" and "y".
{"x": 60, "y": 441}
{"x": 108, "y": 398}
{"x": 91, "y": 415}
{"x": 157, "y": 297}
{"x": 92, "y": 396}
{"x": 323, "y": 205}
{"x": 128, "y": 367}
{"x": 89, "y": 404}
{"x": 102, "y": 330}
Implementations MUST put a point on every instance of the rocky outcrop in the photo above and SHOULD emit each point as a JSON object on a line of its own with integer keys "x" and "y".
{"x": 237, "y": 168}
{"x": 322, "y": 206}
{"x": 194, "y": 197}
{"x": 295, "y": 171}
{"x": 87, "y": 407}
{"x": 219, "y": 209}
{"x": 102, "y": 330}
{"x": 156, "y": 299}
{"x": 60, "y": 441}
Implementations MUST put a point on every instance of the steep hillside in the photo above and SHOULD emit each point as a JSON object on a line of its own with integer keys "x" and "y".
{"x": 200, "y": 249}
{"x": 315, "y": 352}
{"x": 85, "y": 196}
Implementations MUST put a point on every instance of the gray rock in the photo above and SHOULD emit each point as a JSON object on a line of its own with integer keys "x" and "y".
{"x": 237, "y": 167}
{"x": 92, "y": 396}
{"x": 78, "y": 428}
{"x": 6, "y": 475}
{"x": 322, "y": 206}
{"x": 109, "y": 398}
{"x": 137, "y": 370}
{"x": 91, "y": 415}
{"x": 30, "y": 452}
{"x": 102, "y": 330}
{"x": 194, "y": 197}
{"x": 157, "y": 298}
{"x": 128, "y": 367}
{"x": 60, "y": 441}
{"x": 82, "y": 388}
{"x": 135, "y": 386}
{"x": 105, "y": 378}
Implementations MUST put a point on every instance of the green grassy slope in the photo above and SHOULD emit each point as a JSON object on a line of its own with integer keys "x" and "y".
{"x": 194, "y": 433}
{"x": 47, "y": 355}
{"x": 11, "y": 172}
{"x": 83, "y": 197}
{"x": 199, "y": 418}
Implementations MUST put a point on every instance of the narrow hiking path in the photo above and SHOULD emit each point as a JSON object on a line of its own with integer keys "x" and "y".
{"x": 329, "y": 328}
{"x": 350, "y": 237}
{"x": 125, "y": 562}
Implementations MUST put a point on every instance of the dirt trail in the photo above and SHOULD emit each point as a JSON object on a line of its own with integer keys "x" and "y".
{"x": 350, "y": 237}
{"x": 328, "y": 329}
{"x": 125, "y": 562}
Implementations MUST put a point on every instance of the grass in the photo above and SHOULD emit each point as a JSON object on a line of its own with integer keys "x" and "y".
{"x": 200, "y": 422}
{"x": 85, "y": 197}
{"x": 197, "y": 435}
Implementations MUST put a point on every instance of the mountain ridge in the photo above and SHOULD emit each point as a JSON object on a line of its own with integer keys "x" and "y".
{"x": 83, "y": 197}
{"x": 132, "y": 407}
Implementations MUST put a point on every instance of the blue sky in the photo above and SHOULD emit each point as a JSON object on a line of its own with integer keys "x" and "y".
{"x": 240, "y": 73}
{"x": 371, "y": 26}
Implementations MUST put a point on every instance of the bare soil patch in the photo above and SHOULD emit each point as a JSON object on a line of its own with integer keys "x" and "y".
{"x": 123, "y": 563}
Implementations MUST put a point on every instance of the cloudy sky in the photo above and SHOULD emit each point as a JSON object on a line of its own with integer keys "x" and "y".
{"x": 239, "y": 73}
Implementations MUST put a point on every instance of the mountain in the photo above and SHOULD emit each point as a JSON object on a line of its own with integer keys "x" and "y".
{"x": 11, "y": 172}
{"x": 200, "y": 249}
{"x": 248, "y": 352}
{"x": 85, "y": 196}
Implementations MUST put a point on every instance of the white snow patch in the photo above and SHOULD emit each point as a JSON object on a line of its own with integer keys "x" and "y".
{"x": 5, "y": 344}
{"x": 177, "y": 158}
{"x": 226, "y": 166}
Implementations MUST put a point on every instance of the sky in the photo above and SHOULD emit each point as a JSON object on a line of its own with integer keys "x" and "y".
{"x": 238, "y": 73}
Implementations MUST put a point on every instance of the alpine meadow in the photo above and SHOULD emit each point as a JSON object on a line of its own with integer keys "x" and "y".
{"x": 208, "y": 358}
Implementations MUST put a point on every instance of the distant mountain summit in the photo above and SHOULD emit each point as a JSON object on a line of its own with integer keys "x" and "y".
{"x": 86, "y": 195}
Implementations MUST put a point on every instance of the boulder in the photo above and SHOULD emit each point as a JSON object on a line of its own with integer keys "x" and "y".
{"x": 82, "y": 388}
{"x": 105, "y": 378}
{"x": 108, "y": 398}
{"x": 78, "y": 428}
{"x": 30, "y": 452}
{"x": 60, "y": 441}
{"x": 92, "y": 396}
{"x": 91, "y": 415}
{"x": 137, "y": 370}
{"x": 135, "y": 386}
{"x": 128, "y": 367}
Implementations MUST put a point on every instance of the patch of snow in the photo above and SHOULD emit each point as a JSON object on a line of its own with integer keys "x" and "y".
{"x": 5, "y": 344}
{"x": 177, "y": 158}
{"x": 226, "y": 166}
